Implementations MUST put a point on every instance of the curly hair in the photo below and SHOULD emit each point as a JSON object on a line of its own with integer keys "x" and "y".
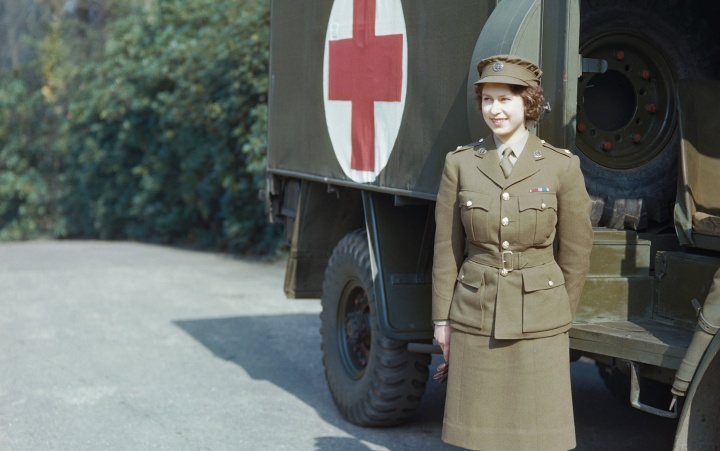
{"x": 533, "y": 100}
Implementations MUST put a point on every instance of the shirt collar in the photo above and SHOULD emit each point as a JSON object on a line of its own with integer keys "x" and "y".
{"x": 517, "y": 143}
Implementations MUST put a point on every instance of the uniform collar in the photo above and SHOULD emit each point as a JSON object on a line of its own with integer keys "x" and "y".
{"x": 525, "y": 166}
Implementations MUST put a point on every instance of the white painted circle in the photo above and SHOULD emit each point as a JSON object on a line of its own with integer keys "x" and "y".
{"x": 389, "y": 20}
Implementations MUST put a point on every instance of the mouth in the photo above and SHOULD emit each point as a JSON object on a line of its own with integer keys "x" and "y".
{"x": 498, "y": 122}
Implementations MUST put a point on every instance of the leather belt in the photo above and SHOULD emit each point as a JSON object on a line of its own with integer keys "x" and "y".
{"x": 509, "y": 260}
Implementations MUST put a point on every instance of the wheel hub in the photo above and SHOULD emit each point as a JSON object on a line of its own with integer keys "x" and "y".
{"x": 355, "y": 334}
{"x": 626, "y": 115}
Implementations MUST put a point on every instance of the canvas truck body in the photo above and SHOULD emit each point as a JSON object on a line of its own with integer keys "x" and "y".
{"x": 368, "y": 96}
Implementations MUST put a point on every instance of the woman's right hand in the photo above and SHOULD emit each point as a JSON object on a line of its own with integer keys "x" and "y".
{"x": 442, "y": 335}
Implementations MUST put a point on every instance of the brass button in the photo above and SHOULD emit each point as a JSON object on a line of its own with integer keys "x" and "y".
{"x": 551, "y": 283}
{"x": 505, "y": 245}
{"x": 503, "y": 272}
{"x": 505, "y": 221}
{"x": 469, "y": 203}
{"x": 543, "y": 205}
{"x": 505, "y": 196}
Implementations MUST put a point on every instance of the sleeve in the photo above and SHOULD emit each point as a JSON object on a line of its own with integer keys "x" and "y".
{"x": 574, "y": 231}
{"x": 449, "y": 242}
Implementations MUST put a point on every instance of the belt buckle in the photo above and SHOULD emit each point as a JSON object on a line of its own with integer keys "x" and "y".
{"x": 505, "y": 268}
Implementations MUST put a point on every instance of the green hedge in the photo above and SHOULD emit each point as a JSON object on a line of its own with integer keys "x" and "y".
{"x": 162, "y": 132}
{"x": 30, "y": 133}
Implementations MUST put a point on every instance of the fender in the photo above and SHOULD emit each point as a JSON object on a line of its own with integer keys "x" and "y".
{"x": 697, "y": 427}
{"x": 401, "y": 234}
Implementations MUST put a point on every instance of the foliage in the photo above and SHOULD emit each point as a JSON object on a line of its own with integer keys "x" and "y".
{"x": 156, "y": 126}
{"x": 29, "y": 192}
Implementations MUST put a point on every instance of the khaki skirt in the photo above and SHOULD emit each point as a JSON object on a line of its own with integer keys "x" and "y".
{"x": 509, "y": 394}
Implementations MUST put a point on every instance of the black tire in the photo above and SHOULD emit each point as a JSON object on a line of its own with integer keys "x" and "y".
{"x": 627, "y": 136}
{"x": 373, "y": 380}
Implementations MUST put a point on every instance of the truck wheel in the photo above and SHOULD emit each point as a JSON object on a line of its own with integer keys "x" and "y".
{"x": 627, "y": 132}
{"x": 373, "y": 380}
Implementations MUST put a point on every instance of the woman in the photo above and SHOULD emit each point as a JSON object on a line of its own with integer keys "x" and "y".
{"x": 502, "y": 301}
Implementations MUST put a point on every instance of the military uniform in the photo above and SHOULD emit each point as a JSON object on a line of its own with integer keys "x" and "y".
{"x": 508, "y": 296}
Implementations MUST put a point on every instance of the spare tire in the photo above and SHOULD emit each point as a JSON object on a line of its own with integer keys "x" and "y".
{"x": 627, "y": 120}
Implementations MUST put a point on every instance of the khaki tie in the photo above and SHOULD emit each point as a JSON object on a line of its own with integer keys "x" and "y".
{"x": 505, "y": 164}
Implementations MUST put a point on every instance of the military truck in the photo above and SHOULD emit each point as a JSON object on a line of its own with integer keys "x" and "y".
{"x": 368, "y": 96}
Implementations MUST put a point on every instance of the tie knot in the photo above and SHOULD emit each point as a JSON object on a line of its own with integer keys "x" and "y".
{"x": 507, "y": 151}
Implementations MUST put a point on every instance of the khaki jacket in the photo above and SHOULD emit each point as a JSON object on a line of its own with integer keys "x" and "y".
{"x": 494, "y": 269}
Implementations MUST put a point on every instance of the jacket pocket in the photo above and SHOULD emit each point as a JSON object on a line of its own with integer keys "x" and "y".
{"x": 467, "y": 305}
{"x": 545, "y": 301}
{"x": 474, "y": 208}
{"x": 538, "y": 217}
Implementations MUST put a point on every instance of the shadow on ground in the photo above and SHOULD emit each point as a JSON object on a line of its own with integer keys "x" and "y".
{"x": 285, "y": 350}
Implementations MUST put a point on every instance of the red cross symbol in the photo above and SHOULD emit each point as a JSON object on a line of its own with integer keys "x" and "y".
{"x": 363, "y": 70}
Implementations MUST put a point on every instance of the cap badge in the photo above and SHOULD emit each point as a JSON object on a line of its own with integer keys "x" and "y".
{"x": 498, "y": 66}
{"x": 482, "y": 151}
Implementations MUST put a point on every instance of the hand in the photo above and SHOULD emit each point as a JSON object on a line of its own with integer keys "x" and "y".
{"x": 442, "y": 335}
{"x": 442, "y": 373}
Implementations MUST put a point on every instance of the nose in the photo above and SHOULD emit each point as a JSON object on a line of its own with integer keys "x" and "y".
{"x": 495, "y": 107}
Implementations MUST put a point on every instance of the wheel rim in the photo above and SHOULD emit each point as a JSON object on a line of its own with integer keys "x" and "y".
{"x": 353, "y": 333}
{"x": 626, "y": 116}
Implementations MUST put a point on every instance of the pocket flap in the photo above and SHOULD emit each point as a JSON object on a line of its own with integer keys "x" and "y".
{"x": 471, "y": 199}
{"x": 471, "y": 274}
{"x": 539, "y": 201}
{"x": 542, "y": 277}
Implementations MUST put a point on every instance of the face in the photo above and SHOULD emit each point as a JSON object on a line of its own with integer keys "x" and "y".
{"x": 503, "y": 111}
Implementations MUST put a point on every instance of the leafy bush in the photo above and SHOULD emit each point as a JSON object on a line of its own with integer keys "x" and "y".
{"x": 29, "y": 158}
{"x": 162, "y": 133}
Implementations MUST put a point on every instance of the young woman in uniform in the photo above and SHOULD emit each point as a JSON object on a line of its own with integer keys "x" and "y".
{"x": 503, "y": 299}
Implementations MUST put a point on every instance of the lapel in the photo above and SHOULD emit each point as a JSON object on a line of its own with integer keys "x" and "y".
{"x": 488, "y": 162}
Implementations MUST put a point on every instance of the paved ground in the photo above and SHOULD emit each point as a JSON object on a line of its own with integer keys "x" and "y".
{"x": 121, "y": 346}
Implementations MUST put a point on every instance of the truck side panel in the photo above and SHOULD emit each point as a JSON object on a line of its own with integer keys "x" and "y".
{"x": 440, "y": 43}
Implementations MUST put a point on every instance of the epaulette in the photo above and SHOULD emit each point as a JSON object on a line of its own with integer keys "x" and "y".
{"x": 468, "y": 146}
{"x": 564, "y": 152}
